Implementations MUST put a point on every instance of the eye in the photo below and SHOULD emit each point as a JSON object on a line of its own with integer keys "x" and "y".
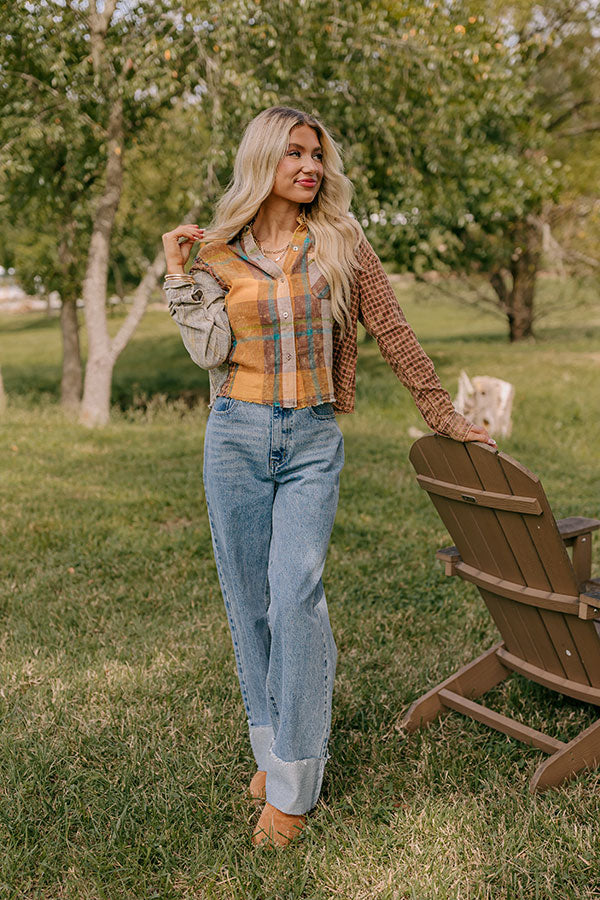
{"x": 291, "y": 152}
{"x": 319, "y": 156}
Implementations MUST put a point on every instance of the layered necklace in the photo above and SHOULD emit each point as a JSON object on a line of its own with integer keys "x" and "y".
{"x": 276, "y": 254}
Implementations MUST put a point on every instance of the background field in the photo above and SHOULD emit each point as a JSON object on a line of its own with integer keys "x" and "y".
{"x": 123, "y": 749}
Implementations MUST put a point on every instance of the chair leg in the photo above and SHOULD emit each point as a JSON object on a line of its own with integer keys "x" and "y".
{"x": 471, "y": 681}
{"x": 583, "y": 752}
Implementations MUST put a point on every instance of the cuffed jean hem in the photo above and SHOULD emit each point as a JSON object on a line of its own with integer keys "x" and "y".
{"x": 294, "y": 787}
{"x": 261, "y": 738}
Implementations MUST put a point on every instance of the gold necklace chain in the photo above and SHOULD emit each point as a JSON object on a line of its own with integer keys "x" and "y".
{"x": 261, "y": 248}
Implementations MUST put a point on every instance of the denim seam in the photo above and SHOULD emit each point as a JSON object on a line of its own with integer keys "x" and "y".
{"x": 234, "y": 628}
{"x": 326, "y": 725}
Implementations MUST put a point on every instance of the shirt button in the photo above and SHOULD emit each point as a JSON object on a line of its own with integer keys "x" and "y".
{"x": 288, "y": 356}
{"x": 285, "y": 315}
{"x": 282, "y": 281}
{"x": 294, "y": 249}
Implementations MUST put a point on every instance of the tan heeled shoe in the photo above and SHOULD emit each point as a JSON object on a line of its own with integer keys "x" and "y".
{"x": 277, "y": 827}
{"x": 258, "y": 786}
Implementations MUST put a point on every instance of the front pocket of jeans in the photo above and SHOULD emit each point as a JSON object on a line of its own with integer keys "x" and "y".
{"x": 223, "y": 405}
{"x": 322, "y": 411}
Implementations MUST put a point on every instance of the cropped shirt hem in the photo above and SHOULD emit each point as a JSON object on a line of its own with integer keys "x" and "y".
{"x": 306, "y": 401}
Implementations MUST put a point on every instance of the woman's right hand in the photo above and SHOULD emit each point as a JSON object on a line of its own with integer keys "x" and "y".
{"x": 480, "y": 433}
{"x": 177, "y": 251}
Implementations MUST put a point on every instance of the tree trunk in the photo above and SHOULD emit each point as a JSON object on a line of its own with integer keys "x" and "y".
{"x": 70, "y": 385}
{"x": 95, "y": 406}
{"x": 516, "y": 299}
{"x": 525, "y": 262}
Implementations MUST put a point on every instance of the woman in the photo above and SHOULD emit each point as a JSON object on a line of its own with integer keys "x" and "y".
{"x": 286, "y": 273}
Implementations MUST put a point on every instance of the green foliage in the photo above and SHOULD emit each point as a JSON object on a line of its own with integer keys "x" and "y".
{"x": 53, "y": 133}
{"x": 433, "y": 109}
{"x": 454, "y": 119}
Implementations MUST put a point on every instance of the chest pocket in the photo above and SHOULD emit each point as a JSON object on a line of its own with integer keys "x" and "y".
{"x": 318, "y": 285}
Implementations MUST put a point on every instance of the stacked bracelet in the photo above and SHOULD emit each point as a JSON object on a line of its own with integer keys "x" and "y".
{"x": 186, "y": 279}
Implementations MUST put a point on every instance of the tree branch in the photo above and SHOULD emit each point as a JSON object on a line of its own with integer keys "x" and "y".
{"x": 567, "y": 114}
{"x": 102, "y": 132}
{"x": 99, "y": 23}
{"x": 583, "y": 129}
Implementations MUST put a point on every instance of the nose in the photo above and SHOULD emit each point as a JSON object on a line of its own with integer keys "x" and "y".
{"x": 310, "y": 167}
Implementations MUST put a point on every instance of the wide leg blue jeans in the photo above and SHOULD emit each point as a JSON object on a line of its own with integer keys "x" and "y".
{"x": 271, "y": 479}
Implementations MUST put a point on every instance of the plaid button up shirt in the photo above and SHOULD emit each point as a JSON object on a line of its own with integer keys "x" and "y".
{"x": 267, "y": 336}
{"x": 281, "y": 321}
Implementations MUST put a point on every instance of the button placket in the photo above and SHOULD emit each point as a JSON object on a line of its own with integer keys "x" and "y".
{"x": 287, "y": 342}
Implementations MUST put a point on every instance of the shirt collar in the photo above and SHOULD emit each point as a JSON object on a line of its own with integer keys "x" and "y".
{"x": 245, "y": 246}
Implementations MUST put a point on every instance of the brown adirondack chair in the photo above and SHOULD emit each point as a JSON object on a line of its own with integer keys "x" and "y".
{"x": 545, "y": 605}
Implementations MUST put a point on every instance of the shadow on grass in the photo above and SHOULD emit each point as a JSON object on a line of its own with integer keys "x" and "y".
{"x": 28, "y": 323}
{"x": 566, "y": 333}
{"x": 543, "y": 334}
{"x": 158, "y": 367}
{"x": 148, "y": 368}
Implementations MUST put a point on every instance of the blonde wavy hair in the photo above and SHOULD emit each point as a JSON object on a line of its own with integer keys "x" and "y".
{"x": 335, "y": 231}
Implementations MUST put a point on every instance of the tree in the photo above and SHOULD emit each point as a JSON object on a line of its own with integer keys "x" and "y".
{"x": 560, "y": 44}
{"x": 45, "y": 172}
{"x": 469, "y": 166}
{"x": 549, "y": 114}
{"x": 98, "y": 78}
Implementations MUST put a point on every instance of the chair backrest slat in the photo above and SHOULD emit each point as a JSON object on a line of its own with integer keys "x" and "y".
{"x": 491, "y": 550}
{"x": 493, "y": 478}
{"x": 502, "y": 612}
{"x": 450, "y": 516}
{"x": 473, "y": 529}
{"x": 544, "y": 533}
{"x": 587, "y": 641}
{"x": 566, "y": 648}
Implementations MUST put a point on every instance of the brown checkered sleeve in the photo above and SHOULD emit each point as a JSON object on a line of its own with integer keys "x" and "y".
{"x": 382, "y": 317}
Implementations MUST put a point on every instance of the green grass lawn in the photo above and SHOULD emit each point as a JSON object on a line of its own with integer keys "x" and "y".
{"x": 123, "y": 748}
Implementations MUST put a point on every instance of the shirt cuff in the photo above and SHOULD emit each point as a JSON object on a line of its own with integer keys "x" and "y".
{"x": 456, "y": 427}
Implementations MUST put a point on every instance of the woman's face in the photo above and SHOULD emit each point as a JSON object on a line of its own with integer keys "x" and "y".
{"x": 300, "y": 173}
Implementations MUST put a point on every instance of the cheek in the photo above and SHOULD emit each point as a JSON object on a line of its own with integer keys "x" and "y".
{"x": 285, "y": 170}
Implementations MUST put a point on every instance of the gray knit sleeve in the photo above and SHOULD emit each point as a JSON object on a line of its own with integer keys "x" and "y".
{"x": 198, "y": 307}
{"x": 199, "y": 310}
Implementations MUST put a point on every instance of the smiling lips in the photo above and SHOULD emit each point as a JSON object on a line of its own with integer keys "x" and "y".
{"x": 306, "y": 182}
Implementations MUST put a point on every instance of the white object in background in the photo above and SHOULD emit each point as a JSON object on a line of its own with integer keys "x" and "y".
{"x": 486, "y": 401}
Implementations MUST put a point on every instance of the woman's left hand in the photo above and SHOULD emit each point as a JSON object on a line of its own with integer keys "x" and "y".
{"x": 479, "y": 433}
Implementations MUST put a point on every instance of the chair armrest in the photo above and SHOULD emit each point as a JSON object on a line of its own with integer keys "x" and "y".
{"x": 450, "y": 556}
{"x": 573, "y": 526}
{"x": 576, "y": 532}
{"x": 589, "y": 604}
